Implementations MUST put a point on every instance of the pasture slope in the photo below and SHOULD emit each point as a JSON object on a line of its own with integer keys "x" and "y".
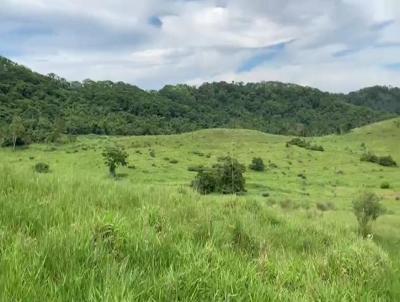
{"x": 75, "y": 234}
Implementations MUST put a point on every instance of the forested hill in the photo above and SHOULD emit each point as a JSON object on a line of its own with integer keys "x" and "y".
{"x": 46, "y": 106}
{"x": 377, "y": 98}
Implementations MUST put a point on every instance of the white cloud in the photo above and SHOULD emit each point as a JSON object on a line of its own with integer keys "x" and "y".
{"x": 206, "y": 40}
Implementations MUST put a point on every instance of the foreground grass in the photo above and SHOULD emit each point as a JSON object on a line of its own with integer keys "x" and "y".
{"x": 76, "y": 235}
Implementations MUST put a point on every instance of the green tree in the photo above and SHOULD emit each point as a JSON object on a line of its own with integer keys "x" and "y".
{"x": 205, "y": 181}
{"x": 17, "y": 130}
{"x": 225, "y": 177}
{"x": 257, "y": 164}
{"x": 230, "y": 175}
{"x": 367, "y": 208}
{"x": 115, "y": 156}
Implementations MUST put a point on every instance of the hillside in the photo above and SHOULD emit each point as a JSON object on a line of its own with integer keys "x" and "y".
{"x": 380, "y": 98}
{"x": 75, "y": 234}
{"x": 50, "y": 106}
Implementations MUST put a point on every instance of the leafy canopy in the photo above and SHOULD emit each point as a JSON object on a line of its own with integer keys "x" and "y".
{"x": 115, "y": 156}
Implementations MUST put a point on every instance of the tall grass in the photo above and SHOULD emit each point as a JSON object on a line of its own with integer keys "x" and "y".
{"x": 78, "y": 239}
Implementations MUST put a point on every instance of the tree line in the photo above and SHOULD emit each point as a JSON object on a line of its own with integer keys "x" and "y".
{"x": 38, "y": 108}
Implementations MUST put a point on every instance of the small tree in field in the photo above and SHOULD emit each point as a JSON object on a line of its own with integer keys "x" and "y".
{"x": 114, "y": 157}
{"x": 226, "y": 177}
{"x": 257, "y": 164}
{"x": 230, "y": 175}
{"x": 367, "y": 208}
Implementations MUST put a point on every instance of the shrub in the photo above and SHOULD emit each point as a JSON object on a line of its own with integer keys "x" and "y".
{"x": 114, "y": 157}
{"x": 385, "y": 185}
{"x": 173, "y": 161}
{"x": 369, "y": 157}
{"x": 386, "y": 161}
{"x": 230, "y": 175}
{"x": 304, "y": 144}
{"x": 205, "y": 182}
{"x": 257, "y": 164}
{"x": 42, "y": 168}
{"x": 225, "y": 177}
{"x": 367, "y": 208}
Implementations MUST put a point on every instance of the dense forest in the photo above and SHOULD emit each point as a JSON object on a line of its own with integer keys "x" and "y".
{"x": 35, "y": 108}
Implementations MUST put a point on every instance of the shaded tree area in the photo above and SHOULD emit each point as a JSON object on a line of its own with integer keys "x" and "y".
{"x": 50, "y": 106}
{"x": 380, "y": 98}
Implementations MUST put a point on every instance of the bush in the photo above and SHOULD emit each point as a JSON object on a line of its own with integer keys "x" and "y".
{"x": 369, "y": 157}
{"x": 257, "y": 164}
{"x": 230, "y": 175}
{"x": 42, "y": 168}
{"x": 304, "y": 144}
{"x": 367, "y": 208}
{"x": 225, "y": 177}
{"x": 386, "y": 161}
{"x": 173, "y": 161}
{"x": 385, "y": 185}
{"x": 205, "y": 182}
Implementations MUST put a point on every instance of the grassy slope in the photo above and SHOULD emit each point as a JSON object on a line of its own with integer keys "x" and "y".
{"x": 74, "y": 234}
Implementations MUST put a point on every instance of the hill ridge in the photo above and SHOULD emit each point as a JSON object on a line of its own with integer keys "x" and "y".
{"x": 50, "y": 106}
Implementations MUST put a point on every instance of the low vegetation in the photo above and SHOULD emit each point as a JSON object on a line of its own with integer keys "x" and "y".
{"x": 367, "y": 208}
{"x": 257, "y": 164}
{"x": 304, "y": 144}
{"x": 76, "y": 235}
{"x": 226, "y": 176}
{"x": 386, "y": 161}
{"x": 42, "y": 168}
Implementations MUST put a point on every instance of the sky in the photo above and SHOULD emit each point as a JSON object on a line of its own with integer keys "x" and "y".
{"x": 333, "y": 45}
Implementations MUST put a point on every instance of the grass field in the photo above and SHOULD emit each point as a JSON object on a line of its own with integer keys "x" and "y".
{"x": 75, "y": 234}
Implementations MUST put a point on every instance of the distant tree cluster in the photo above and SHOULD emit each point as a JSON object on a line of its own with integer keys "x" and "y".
{"x": 37, "y": 108}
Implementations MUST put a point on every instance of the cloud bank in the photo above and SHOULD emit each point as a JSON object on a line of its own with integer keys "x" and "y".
{"x": 335, "y": 45}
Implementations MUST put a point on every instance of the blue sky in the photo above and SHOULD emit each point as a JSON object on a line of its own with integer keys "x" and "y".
{"x": 334, "y": 45}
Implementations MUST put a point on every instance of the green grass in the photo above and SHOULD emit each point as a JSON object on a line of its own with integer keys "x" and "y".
{"x": 75, "y": 234}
